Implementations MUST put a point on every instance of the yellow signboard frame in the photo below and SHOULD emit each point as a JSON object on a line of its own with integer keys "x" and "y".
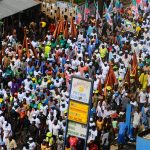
{"x": 78, "y": 112}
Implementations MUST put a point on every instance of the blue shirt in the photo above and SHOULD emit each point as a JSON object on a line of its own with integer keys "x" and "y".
{"x": 122, "y": 127}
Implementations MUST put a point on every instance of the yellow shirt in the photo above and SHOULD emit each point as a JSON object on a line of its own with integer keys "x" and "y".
{"x": 43, "y": 24}
{"x": 43, "y": 147}
{"x": 138, "y": 29}
{"x": 103, "y": 52}
{"x": 99, "y": 124}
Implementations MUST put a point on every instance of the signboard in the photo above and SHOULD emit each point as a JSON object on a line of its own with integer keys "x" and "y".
{"x": 78, "y": 112}
{"x": 79, "y": 109}
{"x": 80, "y": 90}
{"x": 76, "y": 129}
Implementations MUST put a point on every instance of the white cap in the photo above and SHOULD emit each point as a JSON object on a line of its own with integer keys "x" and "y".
{"x": 28, "y": 76}
{"x": 90, "y": 63}
{"x": 15, "y": 104}
{"x": 33, "y": 115}
{"x": 30, "y": 139}
{"x": 126, "y": 94}
{"x": 5, "y": 122}
{"x": 91, "y": 119}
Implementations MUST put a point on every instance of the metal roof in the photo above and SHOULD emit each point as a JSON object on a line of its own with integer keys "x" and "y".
{"x": 10, "y": 7}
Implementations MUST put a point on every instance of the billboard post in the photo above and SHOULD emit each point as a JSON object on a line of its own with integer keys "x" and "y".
{"x": 79, "y": 109}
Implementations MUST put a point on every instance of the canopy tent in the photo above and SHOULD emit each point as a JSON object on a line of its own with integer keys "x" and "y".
{"x": 11, "y": 7}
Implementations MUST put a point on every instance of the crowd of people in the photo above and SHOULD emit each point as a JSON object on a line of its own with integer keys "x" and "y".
{"x": 35, "y": 86}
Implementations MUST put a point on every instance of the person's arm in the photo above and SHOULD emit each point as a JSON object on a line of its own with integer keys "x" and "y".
{"x": 15, "y": 145}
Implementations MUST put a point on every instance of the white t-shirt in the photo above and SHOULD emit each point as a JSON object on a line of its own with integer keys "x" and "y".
{"x": 55, "y": 129}
{"x": 136, "y": 119}
{"x": 32, "y": 145}
{"x": 142, "y": 97}
{"x": 134, "y": 103}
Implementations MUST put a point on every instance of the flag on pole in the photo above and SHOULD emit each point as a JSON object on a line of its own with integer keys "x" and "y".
{"x": 110, "y": 79}
{"x": 134, "y": 7}
{"x": 107, "y": 15}
{"x": 134, "y": 64}
{"x": 127, "y": 77}
{"x": 97, "y": 11}
{"x": 117, "y": 5}
{"x": 56, "y": 32}
{"x": 110, "y": 8}
{"x": 66, "y": 30}
{"x": 73, "y": 29}
{"x": 78, "y": 16}
{"x": 99, "y": 87}
{"x": 86, "y": 11}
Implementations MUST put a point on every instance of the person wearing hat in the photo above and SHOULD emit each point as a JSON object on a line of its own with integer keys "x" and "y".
{"x": 36, "y": 120}
{"x": 60, "y": 142}
{"x": 49, "y": 138}
{"x": 103, "y": 51}
{"x": 120, "y": 82}
{"x": 143, "y": 79}
{"x": 27, "y": 82}
{"x": 55, "y": 128}
{"x": 44, "y": 83}
{"x": 43, "y": 145}
{"x": 32, "y": 144}
{"x": 6, "y": 130}
{"x": 92, "y": 133}
{"x": 105, "y": 69}
{"x": 122, "y": 71}
{"x": 47, "y": 49}
{"x": 124, "y": 101}
{"x": 142, "y": 98}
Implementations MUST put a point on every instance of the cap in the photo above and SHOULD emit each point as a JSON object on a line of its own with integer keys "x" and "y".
{"x": 120, "y": 79}
{"x": 34, "y": 115}
{"x": 126, "y": 94}
{"x": 30, "y": 139}
{"x": 5, "y": 122}
{"x": 90, "y": 64}
{"x": 28, "y": 77}
{"x": 91, "y": 119}
{"x": 108, "y": 87}
{"x": 96, "y": 51}
{"x": 60, "y": 136}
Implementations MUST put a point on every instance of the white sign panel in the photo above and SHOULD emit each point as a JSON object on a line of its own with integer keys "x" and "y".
{"x": 80, "y": 90}
{"x": 76, "y": 129}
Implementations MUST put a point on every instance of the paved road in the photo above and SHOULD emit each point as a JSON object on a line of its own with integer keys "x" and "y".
{"x": 126, "y": 147}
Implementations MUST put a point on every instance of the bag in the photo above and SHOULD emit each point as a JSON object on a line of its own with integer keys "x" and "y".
{"x": 93, "y": 147}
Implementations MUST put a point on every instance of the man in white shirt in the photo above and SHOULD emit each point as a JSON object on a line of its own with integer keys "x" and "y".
{"x": 55, "y": 128}
{"x": 142, "y": 98}
{"x": 27, "y": 82}
{"x": 32, "y": 144}
{"x": 7, "y": 130}
{"x": 37, "y": 120}
{"x": 92, "y": 134}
